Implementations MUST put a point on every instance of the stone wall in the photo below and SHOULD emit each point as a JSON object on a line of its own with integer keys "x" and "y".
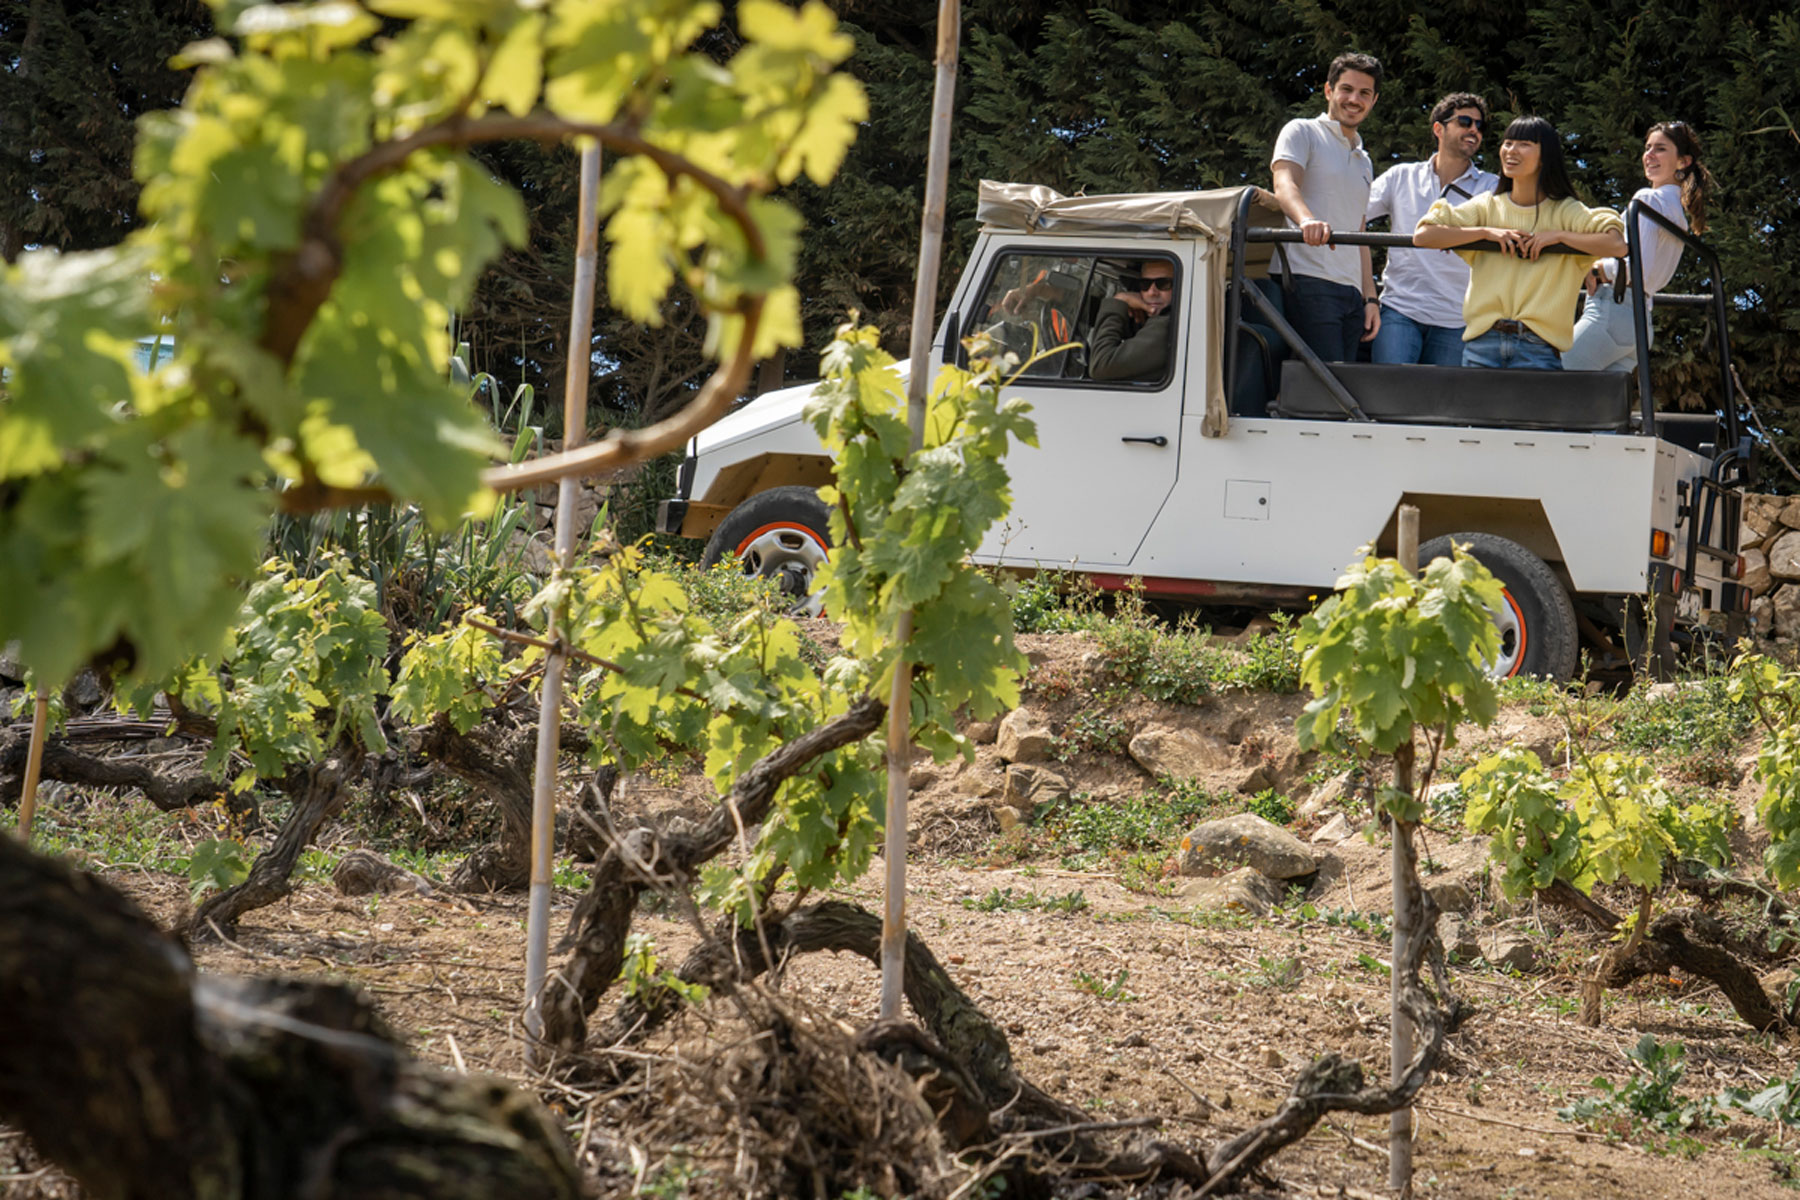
{"x": 1770, "y": 542}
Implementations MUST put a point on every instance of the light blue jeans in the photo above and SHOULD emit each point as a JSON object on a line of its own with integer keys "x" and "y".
{"x": 1404, "y": 340}
{"x": 1519, "y": 351}
{"x": 1604, "y": 337}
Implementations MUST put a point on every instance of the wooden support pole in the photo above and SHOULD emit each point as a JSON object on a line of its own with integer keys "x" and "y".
{"x": 1400, "y": 1121}
{"x": 899, "y": 742}
{"x": 549, "y": 741}
{"x": 34, "y": 764}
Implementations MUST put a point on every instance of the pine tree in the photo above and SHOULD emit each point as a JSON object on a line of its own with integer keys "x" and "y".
{"x": 73, "y": 79}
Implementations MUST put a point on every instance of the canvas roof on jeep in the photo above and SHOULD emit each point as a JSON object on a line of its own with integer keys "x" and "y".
{"x": 1204, "y": 217}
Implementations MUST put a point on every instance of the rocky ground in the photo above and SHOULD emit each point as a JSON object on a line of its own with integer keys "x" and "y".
{"x": 1182, "y": 974}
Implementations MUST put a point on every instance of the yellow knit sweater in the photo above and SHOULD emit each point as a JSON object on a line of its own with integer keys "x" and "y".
{"x": 1540, "y": 293}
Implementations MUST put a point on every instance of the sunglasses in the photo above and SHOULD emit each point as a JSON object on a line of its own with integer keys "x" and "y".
{"x": 1159, "y": 283}
{"x": 1468, "y": 122}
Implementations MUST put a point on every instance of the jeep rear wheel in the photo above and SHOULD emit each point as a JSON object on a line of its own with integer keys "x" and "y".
{"x": 781, "y": 534}
{"x": 1537, "y": 619}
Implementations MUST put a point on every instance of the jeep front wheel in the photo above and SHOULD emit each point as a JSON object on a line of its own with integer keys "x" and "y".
{"x": 1537, "y": 619}
{"x": 781, "y": 534}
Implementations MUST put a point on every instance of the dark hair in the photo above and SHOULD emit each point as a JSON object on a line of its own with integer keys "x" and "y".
{"x": 1696, "y": 181}
{"x": 1368, "y": 64}
{"x": 1553, "y": 173}
{"x": 1446, "y": 108}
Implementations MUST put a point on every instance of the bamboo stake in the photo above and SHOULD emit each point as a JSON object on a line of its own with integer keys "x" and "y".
{"x": 899, "y": 742}
{"x": 1400, "y": 1121}
{"x": 34, "y": 764}
{"x": 543, "y": 791}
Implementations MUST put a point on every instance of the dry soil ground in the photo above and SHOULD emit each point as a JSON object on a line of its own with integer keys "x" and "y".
{"x": 1130, "y": 1006}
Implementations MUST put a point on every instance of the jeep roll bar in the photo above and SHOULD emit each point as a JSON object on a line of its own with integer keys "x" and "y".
{"x": 1732, "y": 451}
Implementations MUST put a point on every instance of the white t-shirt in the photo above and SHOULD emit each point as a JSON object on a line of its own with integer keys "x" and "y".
{"x": 1660, "y": 248}
{"x": 1336, "y": 189}
{"x": 1426, "y": 285}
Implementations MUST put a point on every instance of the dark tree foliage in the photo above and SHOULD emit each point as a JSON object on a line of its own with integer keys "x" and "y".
{"x": 73, "y": 77}
{"x": 1120, "y": 95}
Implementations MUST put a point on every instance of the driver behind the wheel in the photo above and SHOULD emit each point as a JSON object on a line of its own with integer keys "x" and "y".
{"x": 1131, "y": 335}
{"x": 1038, "y": 314}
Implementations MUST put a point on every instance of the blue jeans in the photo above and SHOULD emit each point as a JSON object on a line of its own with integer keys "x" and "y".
{"x": 1327, "y": 316}
{"x": 1605, "y": 336}
{"x": 1404, "y": 340}
{"x": 1520, "y": 351}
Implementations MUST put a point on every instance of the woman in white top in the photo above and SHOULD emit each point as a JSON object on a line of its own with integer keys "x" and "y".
{"x": 1604, "y": 337}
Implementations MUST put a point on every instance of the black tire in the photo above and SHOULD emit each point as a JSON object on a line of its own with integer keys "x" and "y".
{"x": 1539, "y": 633}
{"x": 781, "y": 534}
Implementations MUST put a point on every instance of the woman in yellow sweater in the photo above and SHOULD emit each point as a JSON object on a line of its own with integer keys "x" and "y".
{"x": 1520, "y": 308}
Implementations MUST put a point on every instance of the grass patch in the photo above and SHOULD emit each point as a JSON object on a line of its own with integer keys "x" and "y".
{"x": 1007, "y": 900}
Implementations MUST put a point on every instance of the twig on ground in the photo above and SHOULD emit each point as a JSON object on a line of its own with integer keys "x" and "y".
{"x": 1360, "y": 1143}
{"x": 1183, "y": 1085}
{"x": 1088, "y": 1127}
{"x": 1580, "y": 1135}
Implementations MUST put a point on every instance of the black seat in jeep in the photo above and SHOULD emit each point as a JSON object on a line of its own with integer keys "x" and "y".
{"x": 1576, "y": 401}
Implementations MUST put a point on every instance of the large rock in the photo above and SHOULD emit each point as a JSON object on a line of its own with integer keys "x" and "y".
{"x": 1326, "y": 795}
{"x": 1245, "y": 840}
{"x": 1452, "y": 896}
{"x": 1784, "y": 555}
{"x": 1338, "y": 829}
{"x": 83, "y": 692}
{"x": 1790, "y": 512}
{"x": 1785, "y": 611}
{"x": 1029, "y": 786}
{"x": 1762, "y": 616}
{"x": 1756, "y": 572}
{"x": 1180, "y": 754}
{"x": 1505, "y": 948}
{"x": 1761, "y": 517}
{"x": 1024, "y": 737}
{"x": 1245, "y": 890}
{"x": 1458, "y": 936}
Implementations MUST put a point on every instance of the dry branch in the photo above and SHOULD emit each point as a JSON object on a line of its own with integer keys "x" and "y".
{"x": 168, "y": 790}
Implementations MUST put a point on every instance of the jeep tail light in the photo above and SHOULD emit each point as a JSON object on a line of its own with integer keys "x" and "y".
{"x": 1662, "y": 544}
{"x": 1679, "y": 582}
{"x": 1737, "y": 567}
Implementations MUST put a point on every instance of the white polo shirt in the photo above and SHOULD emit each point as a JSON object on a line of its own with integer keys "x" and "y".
{"x": 1336, "y": 188}
{"x": 1660, "y": 248}
{"x": 1426, "y": 285}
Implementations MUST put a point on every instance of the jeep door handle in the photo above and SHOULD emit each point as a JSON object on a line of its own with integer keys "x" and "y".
{"x": 1158, "y": 440}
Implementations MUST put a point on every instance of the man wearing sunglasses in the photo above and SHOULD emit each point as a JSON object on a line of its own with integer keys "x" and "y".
{"x": 1131, "y": 334}
{"x": 1422, "y": 290}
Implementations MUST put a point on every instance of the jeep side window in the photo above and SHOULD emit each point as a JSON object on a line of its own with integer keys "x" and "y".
{"x": 1033, "y": 303}
{"x": 1036, "y": 302}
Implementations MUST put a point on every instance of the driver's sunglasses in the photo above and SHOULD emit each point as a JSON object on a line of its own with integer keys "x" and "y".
{"x": 1157, "y": 283}
{"x": 1468, "y": 122}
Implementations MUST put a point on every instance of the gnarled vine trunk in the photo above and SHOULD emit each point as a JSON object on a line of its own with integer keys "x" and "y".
{"x": 145, "y": 1080}
{"x": 319, "y": 791}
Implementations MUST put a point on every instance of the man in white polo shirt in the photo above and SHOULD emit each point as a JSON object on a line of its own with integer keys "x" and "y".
{"x": 1422, "y": 290}
{"x": 1322, "y": 178}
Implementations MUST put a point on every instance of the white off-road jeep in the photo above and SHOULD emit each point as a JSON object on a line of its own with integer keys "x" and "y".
{"x": 1246, "y": 471}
